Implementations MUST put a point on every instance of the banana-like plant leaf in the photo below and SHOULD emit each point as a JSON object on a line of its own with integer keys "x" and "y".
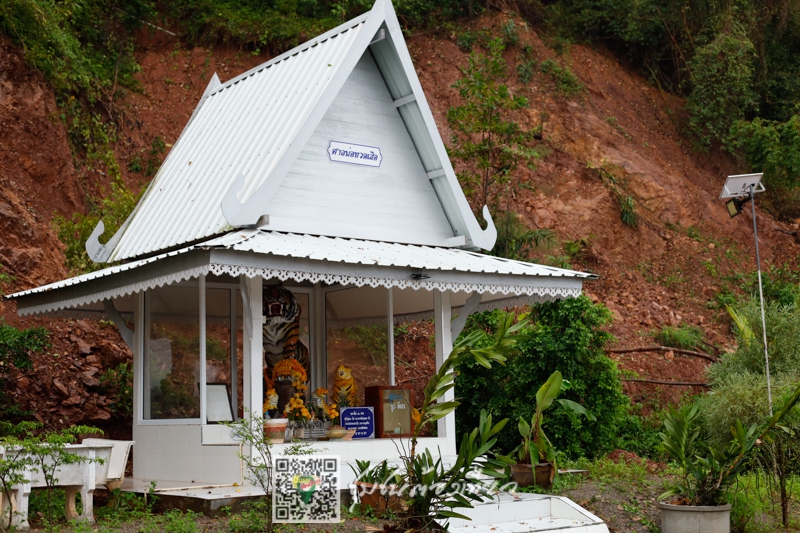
{"x": 549, "y": 391}
{"x": 577, "y": 409}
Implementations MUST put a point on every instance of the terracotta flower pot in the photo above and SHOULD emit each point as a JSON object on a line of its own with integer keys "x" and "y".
{"x": 369, "y": 495}
{"x": 524, "y": 476}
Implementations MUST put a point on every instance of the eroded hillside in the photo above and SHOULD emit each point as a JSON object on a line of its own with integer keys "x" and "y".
{"x": 621, "y": 133}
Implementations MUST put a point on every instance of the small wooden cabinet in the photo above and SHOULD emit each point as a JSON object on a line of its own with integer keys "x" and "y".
{"x": 392, "y": 406}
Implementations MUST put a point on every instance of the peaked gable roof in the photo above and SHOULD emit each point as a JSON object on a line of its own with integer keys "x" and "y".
{"x": 245, "y": 136}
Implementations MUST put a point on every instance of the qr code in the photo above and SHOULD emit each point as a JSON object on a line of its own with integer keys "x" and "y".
{"x": 306, "y": 489}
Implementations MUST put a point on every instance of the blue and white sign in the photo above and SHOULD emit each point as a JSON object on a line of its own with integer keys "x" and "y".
{"x": 354, "y": 154}
{"x": 360, "y": 418}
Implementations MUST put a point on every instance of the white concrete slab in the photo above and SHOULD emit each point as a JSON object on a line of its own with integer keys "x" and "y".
{"x": 521, "y": 513}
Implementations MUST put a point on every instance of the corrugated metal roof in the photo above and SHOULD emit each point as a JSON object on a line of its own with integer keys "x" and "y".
{"x": 332, "y": 260}
{"x": 359, "y": 252}
{"x": 242, "y": 128}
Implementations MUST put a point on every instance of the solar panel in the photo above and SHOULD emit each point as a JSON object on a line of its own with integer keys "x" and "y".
{"x": 739, "y": 185}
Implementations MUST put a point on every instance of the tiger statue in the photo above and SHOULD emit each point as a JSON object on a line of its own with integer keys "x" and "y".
{"x": 270, "y": 402}
{"x": 281, "y": 330}
{"x": 345, "y": 390}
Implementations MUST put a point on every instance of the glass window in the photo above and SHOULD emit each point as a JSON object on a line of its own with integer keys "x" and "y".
{"x": 218, "y": 351}
{"x": 172, "y": 365}
{"x": 357, "y": 338}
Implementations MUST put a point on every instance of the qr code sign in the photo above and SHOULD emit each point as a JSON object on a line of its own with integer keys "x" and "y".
{"x": 306, "y": 489}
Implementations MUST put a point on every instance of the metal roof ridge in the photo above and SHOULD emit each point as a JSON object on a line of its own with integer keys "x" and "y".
{"x": 319, "y": 39}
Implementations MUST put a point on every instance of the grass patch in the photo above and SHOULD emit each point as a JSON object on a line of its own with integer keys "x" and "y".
{"x": 684, "y": 337}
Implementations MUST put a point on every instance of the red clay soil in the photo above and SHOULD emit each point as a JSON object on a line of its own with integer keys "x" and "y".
{"x": 664, "y": 272}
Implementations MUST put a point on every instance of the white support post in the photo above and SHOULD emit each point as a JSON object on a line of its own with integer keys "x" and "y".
{"x": 201, "y": 287}
{"x": 146, "y": 385}
{"x": 138, "y": 370}
{"x": 319, "y": 362}
{"x": 253, "y": 346}
{"x": 234, "y": 359}
{"x": 442, "y": 316}
{"x": 390, "y": 325}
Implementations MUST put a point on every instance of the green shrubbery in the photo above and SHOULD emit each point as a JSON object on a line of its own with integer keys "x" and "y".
{"x": 739, "y": 388}
{"x": 564, "y": 336}
{"x": 516, "y": 241}
{"x": 73, "y": 232}
{"x": 721, "y": 74}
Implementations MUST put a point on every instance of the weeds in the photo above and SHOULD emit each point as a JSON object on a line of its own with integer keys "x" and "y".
{"x": 711, "y": 268}
{"x": 567, "y": 83}
{"x": 510, "y": 34}
{"x": 253, "y": 519}
{"x": 118, "y": 382}
{"x": 612, "y": 120}
{"x": 684, "y": 337}
{"x": 516, "y": 241}
{"x": 467, "y": 40}
{"x": 627, "y": 210}
{"x": 639, "y": 516}
{"x": 5, "y": 279}
{"x": 525, "y": 71}
{"x": 625, "y": 202}
{"x": 149, "y": 162}
{"x": 124, "y": 506}
{"x": 16, "y": 345}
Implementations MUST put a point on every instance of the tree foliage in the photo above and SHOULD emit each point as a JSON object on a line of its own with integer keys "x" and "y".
{"x": 565, "y": 336}
{"x": 722, "y": 84}
{"x": 487, "y": 142}
{"x": 736, "y": 62}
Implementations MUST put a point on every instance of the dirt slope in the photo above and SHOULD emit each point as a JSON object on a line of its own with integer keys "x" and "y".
{"x": 663, "y": 272}
{"x": 667, "y": 270}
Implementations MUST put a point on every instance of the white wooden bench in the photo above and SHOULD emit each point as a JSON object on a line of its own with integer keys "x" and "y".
{"x": 104, "y": 465}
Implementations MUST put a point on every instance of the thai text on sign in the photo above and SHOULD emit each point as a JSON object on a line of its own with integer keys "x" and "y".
{"x": 355, "y": 154}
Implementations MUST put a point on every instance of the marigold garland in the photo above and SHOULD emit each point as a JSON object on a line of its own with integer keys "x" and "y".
{"x": 289, "y": 368}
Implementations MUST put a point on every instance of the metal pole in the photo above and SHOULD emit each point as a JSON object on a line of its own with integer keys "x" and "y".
{"x": 761, "y": 298}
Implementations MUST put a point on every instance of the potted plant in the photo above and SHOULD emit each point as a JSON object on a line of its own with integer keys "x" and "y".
{"x": 274, "y": 428}
{"x": 376, "y": 487}
{"x": 697, "y": 502}
{"x": 535, "y": 443}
